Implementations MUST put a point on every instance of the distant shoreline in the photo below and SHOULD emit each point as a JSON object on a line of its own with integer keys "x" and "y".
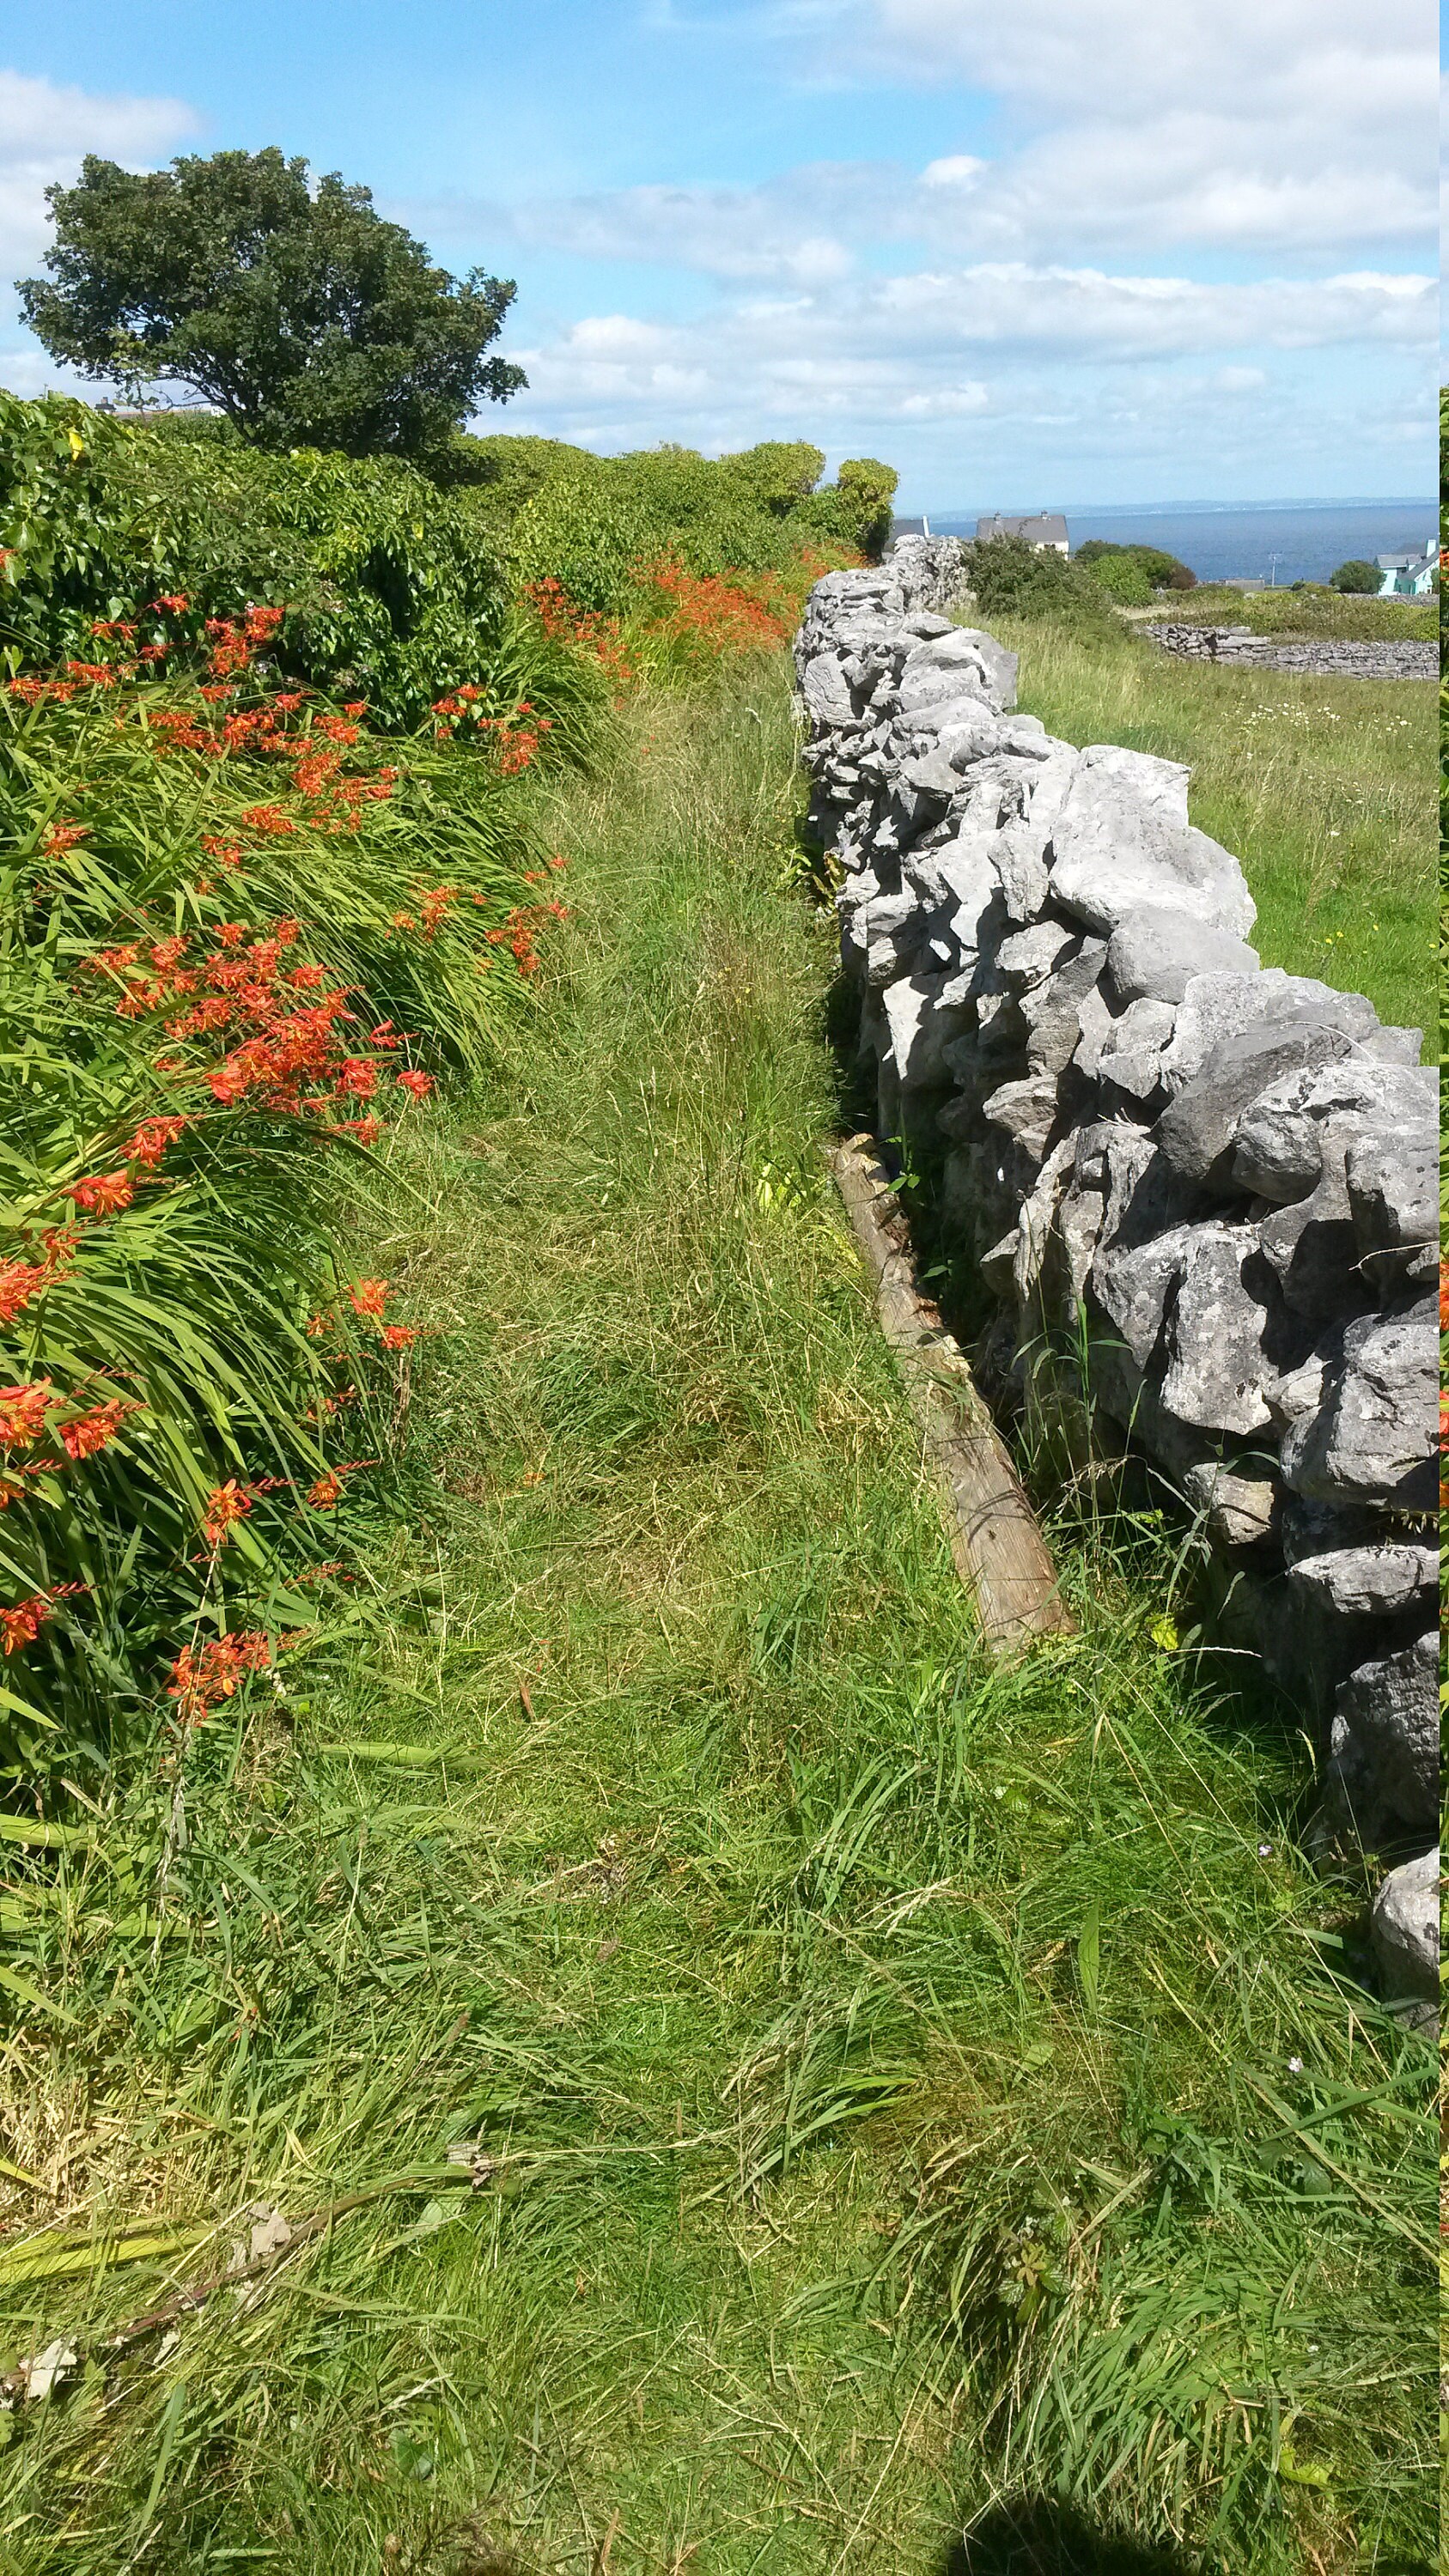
{"x": 1275, "y": 542}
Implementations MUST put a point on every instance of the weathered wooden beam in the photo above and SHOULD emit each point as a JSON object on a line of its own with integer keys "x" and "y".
{"x": 996, "y": 1540}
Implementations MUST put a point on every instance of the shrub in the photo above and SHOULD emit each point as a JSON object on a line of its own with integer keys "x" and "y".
{"x": 1013, "y": 579}
{"x": 1355, "y": 575}
{"x": 1161, "y": 571}
{"x": 395, "y": 591}
{"x": 1123, "y": 579}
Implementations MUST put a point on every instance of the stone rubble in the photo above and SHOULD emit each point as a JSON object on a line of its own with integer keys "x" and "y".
{"x": 1216, "y": 1180}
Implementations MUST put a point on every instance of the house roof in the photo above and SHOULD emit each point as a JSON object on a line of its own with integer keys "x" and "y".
{"x": 1039, "y": 527}
{"x": 910, "y": 527}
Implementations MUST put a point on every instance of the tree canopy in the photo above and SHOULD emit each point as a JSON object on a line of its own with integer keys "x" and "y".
{"x": 1355, "y": 575}
{"x": 301, "y": 313}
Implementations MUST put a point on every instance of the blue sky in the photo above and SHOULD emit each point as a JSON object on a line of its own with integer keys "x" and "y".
{"x": 1062, "y": 251}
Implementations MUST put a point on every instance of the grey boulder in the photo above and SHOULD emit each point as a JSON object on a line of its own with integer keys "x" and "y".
{"x": 1384, "y": 1745}
{"x": 1373, "y": 1436}
{"x": 1154, "y": 954}
{"x": 1216, "y": 1364}
{"x": 1122, "y": 844}
{"x": 1404, "y": 1931}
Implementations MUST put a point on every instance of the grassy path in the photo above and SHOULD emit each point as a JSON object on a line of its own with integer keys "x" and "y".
{"x": 862, "y": 2032}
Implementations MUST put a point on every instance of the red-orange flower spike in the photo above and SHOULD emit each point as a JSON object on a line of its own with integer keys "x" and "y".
{"x": 22, "y": 1625}
{"x": 199, "y": 1678}
{"x": 369, "y": 1297}
{"x": 398, "y": 1337}
{"x": 152, "y": 1138}
{"x": 225, "y": 1506}
{"x": 419, "y": 1084}
{"x": 22, "y": 1413}
{"x": 95, "y": 1430}
{"x": 103, "y": 1194}
{"x": 326, "y": 1494}
{"x": 62, "y": 836}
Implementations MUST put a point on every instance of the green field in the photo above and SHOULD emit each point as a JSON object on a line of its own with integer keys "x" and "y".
{"x": 1325, "y": 789}
{"x": 908, "y": 2083}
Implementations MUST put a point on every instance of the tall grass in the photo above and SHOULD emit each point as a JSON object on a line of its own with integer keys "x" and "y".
{"x": 227, "y": 927}
{"x": 909, "y": 2085}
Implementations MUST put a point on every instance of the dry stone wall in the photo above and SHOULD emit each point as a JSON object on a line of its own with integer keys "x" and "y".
{"x": 1216, "y": 1179}
{"x": 1402, "y": 658}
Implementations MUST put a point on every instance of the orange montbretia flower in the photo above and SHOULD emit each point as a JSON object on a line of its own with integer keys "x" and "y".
{"x": 95, "y": 1430}
{"x": 225, "y": 1506}
{"x": 216, "y": 1671}
{"x": 369, "y": 1297}
{"x": 103, "y": 1194}
{"x": 22, "y": 1413}
{"x": 22, "y": 1624}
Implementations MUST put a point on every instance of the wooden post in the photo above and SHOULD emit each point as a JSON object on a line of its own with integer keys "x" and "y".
{"x": 996, "y": 1540}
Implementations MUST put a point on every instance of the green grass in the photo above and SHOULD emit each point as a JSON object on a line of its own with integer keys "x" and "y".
{"x": 889, "y": 2058}
{"x": 1324, "y": 788}
{"x": 1346, "y": 616}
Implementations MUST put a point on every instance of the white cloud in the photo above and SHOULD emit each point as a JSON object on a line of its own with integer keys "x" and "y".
{"x": 1345, "y": 59}
{"x": 45, "y": 131}
{"x": 990, "y": 342}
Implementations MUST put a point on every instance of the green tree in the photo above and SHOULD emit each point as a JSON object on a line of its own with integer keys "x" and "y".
{"x": 307, "y": 319}
{"x": 867, "y": 489}
{"x": 1355, "y": 575}
{"x": 1163, "y": 571}
{"x": 777, "y": 473}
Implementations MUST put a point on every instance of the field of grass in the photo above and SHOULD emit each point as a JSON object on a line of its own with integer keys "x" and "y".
{"x": 1346, "y": 615}
{"x": 1324, "y": 788}
{"x": 892, "y": 2084}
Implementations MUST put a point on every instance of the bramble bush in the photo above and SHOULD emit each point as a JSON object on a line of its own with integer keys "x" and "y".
{"x": 1013, "y": 579}
{"x": 1134, "y": 574}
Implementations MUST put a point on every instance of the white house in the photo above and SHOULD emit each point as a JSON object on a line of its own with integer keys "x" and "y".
{"x": 1045, "y": 530}
{"x": 1409, "y": 576}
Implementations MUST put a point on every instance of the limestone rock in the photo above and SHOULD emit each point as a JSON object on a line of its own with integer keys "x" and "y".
{"x": 1376, "y": 1582}
{"x": 1384, "y": 1745}
{"x": 1133, "y": 1282}
{"x": 1122, "y": 843}
{"x": 826, "y": 690}
{"x": 1196, "y": 1129}
{"x": 1392, "y": 1179}
{"x": 1374, "y": 1438}
{"x": 1240, "y": 1510}
{"x": 1216, "y": 1363}
{"x": 1027, "y": 1110}
{"x": 1155, "y": 952}
{"x": 1404, "y": 1931}
{"x": 1021, "y": 873}
{"x": 1129, "y": 1066}
{"x": 1029, "y": 956}
{"x": 1053, "y": 1009}
{"x": 920, "y": 1029}
{"x": 1215, "y": 1007}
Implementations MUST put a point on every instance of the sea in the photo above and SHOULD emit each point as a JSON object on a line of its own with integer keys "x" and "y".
{"x": 1279, "y": 542}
